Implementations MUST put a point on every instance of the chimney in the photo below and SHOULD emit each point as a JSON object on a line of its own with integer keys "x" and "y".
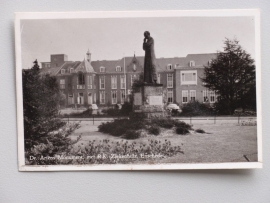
{"x": 88, "y": 56}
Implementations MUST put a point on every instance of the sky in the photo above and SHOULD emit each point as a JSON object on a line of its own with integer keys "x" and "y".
{"x": 113, "y": 38}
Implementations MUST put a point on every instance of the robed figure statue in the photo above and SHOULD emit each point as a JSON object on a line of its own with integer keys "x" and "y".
{"x": 150, "y": 75}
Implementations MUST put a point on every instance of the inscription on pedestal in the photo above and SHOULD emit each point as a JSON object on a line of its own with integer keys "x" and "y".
{"x": 155, "y": 100}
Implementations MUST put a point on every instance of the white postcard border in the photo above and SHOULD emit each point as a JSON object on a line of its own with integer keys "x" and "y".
{"x": 131, "y": 14}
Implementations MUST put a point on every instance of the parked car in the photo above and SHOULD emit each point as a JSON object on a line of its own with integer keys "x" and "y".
{"x": 172, "y": 106}
{"x": 174, "y": 109}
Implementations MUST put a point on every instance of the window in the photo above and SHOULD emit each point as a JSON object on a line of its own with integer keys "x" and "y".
{"x": 102, "y": 97}
{"x": 80, "y": 98}
{"x": 118, "y": 68}
{"x": 209, "y": 62}
{"x": 123, "y": 96}
{"x": 63, "y": 71}
{"x": 114, "y": 81}
{"x": 81, "y": 79}
{"x": 189, "y": 77}
{"x": 212, "y": 96}
{"x": 71, "y": 70}
{"x": 184, "y": 96}
{"x": 62, "y": 84}
{"x": 169, "y": 66}
{"x": 70, "y": 99}
{"x": 192, "y": 63}
{"x": 123, "y": 81}
{"x": 192, "y": 95}
{"x": 132, "y": 78}
{"x": 95, "y": 98}
{"x": 158, "y": 78}
{"x": 90, "y": 82}
{"x": 102, "y": 82}
{"x": 47, "y": 65}
{"x": 90, "y": 98}
{"x": 114, "y": 97}
{"x": 102, "y": 69}
{"x": 169, "y": 80}
{"x": 170, "y": 95}
{"x": 205, "y": 96}
{"x": 93, "y": 79}
{"x": 134, "y": 67}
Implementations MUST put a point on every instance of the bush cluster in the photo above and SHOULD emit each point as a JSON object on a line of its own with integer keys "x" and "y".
{"x": 126, "y": 128}
{"x": 155, "y": 130}
{"x": 196, "y": 108}
{"x": 199, "y": 131}
{"x": 84, "y": 114}
{"x": 129, "y": 128}
{"x": 181, "y": 130}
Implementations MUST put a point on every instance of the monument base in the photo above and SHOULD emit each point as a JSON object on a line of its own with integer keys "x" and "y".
{"x": 150, "y": 100}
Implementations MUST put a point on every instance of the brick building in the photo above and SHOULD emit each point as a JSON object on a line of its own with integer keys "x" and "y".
{"x": 110, "y": 82}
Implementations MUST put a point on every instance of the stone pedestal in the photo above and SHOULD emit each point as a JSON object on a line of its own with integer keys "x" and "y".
{"x": 150, "y": 100}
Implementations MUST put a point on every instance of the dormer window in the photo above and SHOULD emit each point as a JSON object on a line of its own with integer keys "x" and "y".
{"x": 169, "y": 66}
{"x": 176, "y": 65}
{"x": 118, "y": 68}
{"x": 71, "y": 70}
{"x": 134, "y": 67}
{"x": 63, "y": 71}
{"x": 209, "y": 62}
{"x": 102, "y": 69}
{"x": 191, "y": 63}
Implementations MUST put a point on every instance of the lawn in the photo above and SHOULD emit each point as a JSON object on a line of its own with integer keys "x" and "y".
{"x": 222, "y": 142}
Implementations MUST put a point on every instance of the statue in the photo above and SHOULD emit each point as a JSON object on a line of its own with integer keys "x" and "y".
{"x": 150, "y": 75}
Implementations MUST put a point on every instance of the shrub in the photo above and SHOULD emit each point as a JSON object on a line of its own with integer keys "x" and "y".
{"x": 137, "y": 116}
{"x": 132, "y": 134}
{"x": 181, "y": 130}
{"x": 126, "y": 109}
{"x": 199, "y": 131}
{"x": 155, "y": 130}
{"x": 84, "y": 114}
{"x": 111, "y": 111}
{"x": 195, "y": 108}
{"x": 120, "y": 127}
{"x": 163, "y": 122}
{"x": 182, "y": 124}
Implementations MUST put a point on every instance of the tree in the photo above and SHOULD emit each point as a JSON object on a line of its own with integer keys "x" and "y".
{"x": 232, "y": 76}
{"x": 41, "y": 99}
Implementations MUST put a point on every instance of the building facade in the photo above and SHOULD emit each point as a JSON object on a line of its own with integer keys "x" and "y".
{"x": 110, "y": 82}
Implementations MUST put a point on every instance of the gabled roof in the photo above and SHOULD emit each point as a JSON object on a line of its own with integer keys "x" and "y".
{"x": 200, "y": 59}
{"x": 162, "y": 63}
{"x": 51, "y": 71}
{"x": 110, "y": 66}
{"x": 85, "y": 67}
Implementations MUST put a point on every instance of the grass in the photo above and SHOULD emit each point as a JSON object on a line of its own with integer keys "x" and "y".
{"x": 221, "y": 143}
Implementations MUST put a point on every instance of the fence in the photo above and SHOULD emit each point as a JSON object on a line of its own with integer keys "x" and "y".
{"x": 243, "y": 120}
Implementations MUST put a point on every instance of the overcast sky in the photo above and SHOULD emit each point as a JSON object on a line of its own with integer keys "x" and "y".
{"x": 112, "y": 38}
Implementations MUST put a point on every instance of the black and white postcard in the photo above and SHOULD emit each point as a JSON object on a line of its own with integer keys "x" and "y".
{"x": 138, "y": 90}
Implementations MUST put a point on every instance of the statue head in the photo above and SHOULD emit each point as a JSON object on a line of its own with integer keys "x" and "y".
{"x": 146, "y": 34}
